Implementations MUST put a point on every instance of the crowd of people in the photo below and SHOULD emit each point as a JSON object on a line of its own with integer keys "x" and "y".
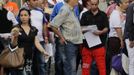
{"x": 81, "y": 33}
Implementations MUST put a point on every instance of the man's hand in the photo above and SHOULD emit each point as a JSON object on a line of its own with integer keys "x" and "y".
{"x": 46, "y": 40}
{"x": 63, "y": 41}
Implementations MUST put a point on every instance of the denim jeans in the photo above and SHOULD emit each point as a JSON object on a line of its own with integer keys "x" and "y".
{"x": 67, "y": 54}
{"x": 40, "y": 64}
{"x": 58, "y": 58}
{"x": 14, "y": 72}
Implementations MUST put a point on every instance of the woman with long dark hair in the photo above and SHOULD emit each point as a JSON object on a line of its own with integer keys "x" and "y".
{"x": 26, "y": 38}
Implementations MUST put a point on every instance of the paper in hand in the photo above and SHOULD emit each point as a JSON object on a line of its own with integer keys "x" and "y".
{"x": 92, "y": 39}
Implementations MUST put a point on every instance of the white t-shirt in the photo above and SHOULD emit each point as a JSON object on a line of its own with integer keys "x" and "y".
{"x": 115, "y": 21}
{"x": 37, "y": 21}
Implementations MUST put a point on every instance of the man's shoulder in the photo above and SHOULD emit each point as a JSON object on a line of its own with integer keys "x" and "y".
{"x": 64, "y": 9}
{"x": 87, "y": 12}
{"x": 102, "y": 13}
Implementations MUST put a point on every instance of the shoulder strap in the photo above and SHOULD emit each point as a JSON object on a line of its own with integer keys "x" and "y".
{"x": 44, "y": 16}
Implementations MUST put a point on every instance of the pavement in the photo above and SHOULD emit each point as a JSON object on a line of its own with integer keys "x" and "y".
{"x": 53, "y": 70}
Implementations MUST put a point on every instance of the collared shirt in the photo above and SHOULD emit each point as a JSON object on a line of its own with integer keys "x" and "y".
{"x": 68, "y": 24}
{"x": 57, "y": 8}
{"x": 100, "y": 19}
{"x": 84, "y": 10}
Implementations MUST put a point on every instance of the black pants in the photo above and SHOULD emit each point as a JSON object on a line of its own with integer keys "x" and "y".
{"x": 113, "y": 48}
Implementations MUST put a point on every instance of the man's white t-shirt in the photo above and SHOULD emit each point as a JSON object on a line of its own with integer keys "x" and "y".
{"x": 37, "y": 21}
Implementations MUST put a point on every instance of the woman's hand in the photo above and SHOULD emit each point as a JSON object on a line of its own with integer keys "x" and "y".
{"x": 14, "y": 36}
{"x": 46, "y": 53}
{"x": 15, "y": 32}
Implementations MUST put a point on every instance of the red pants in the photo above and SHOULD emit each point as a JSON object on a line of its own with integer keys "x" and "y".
{"x": 98, "y": 55}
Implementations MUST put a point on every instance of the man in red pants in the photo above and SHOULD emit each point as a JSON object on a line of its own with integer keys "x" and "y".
{"x": 95, "y": 17}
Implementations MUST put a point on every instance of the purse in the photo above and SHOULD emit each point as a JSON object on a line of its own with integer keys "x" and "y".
{"x": 117, "y": 62}
{"x": 12, "y": 58}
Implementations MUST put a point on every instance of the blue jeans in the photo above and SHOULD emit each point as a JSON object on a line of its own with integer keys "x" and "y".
{"x": 58, "y": 58}
{"x": 67, "y": 54}
{"x": 39, "y": 64}
{"x": 14, "y": 72}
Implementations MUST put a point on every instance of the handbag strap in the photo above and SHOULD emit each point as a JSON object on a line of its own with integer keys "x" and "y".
{"x": 13, "y": 49}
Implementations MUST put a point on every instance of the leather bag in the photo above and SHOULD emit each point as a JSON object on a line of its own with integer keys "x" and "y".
{"x": 12, "y": 58}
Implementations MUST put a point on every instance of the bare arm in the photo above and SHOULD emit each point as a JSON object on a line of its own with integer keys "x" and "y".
{"x": 45, "y": 31}
{"x": 119, "y": 33}
{"x": 56, "y": 31}
{"x": 39, "y": 47}
{"x": 100, "y": 32}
